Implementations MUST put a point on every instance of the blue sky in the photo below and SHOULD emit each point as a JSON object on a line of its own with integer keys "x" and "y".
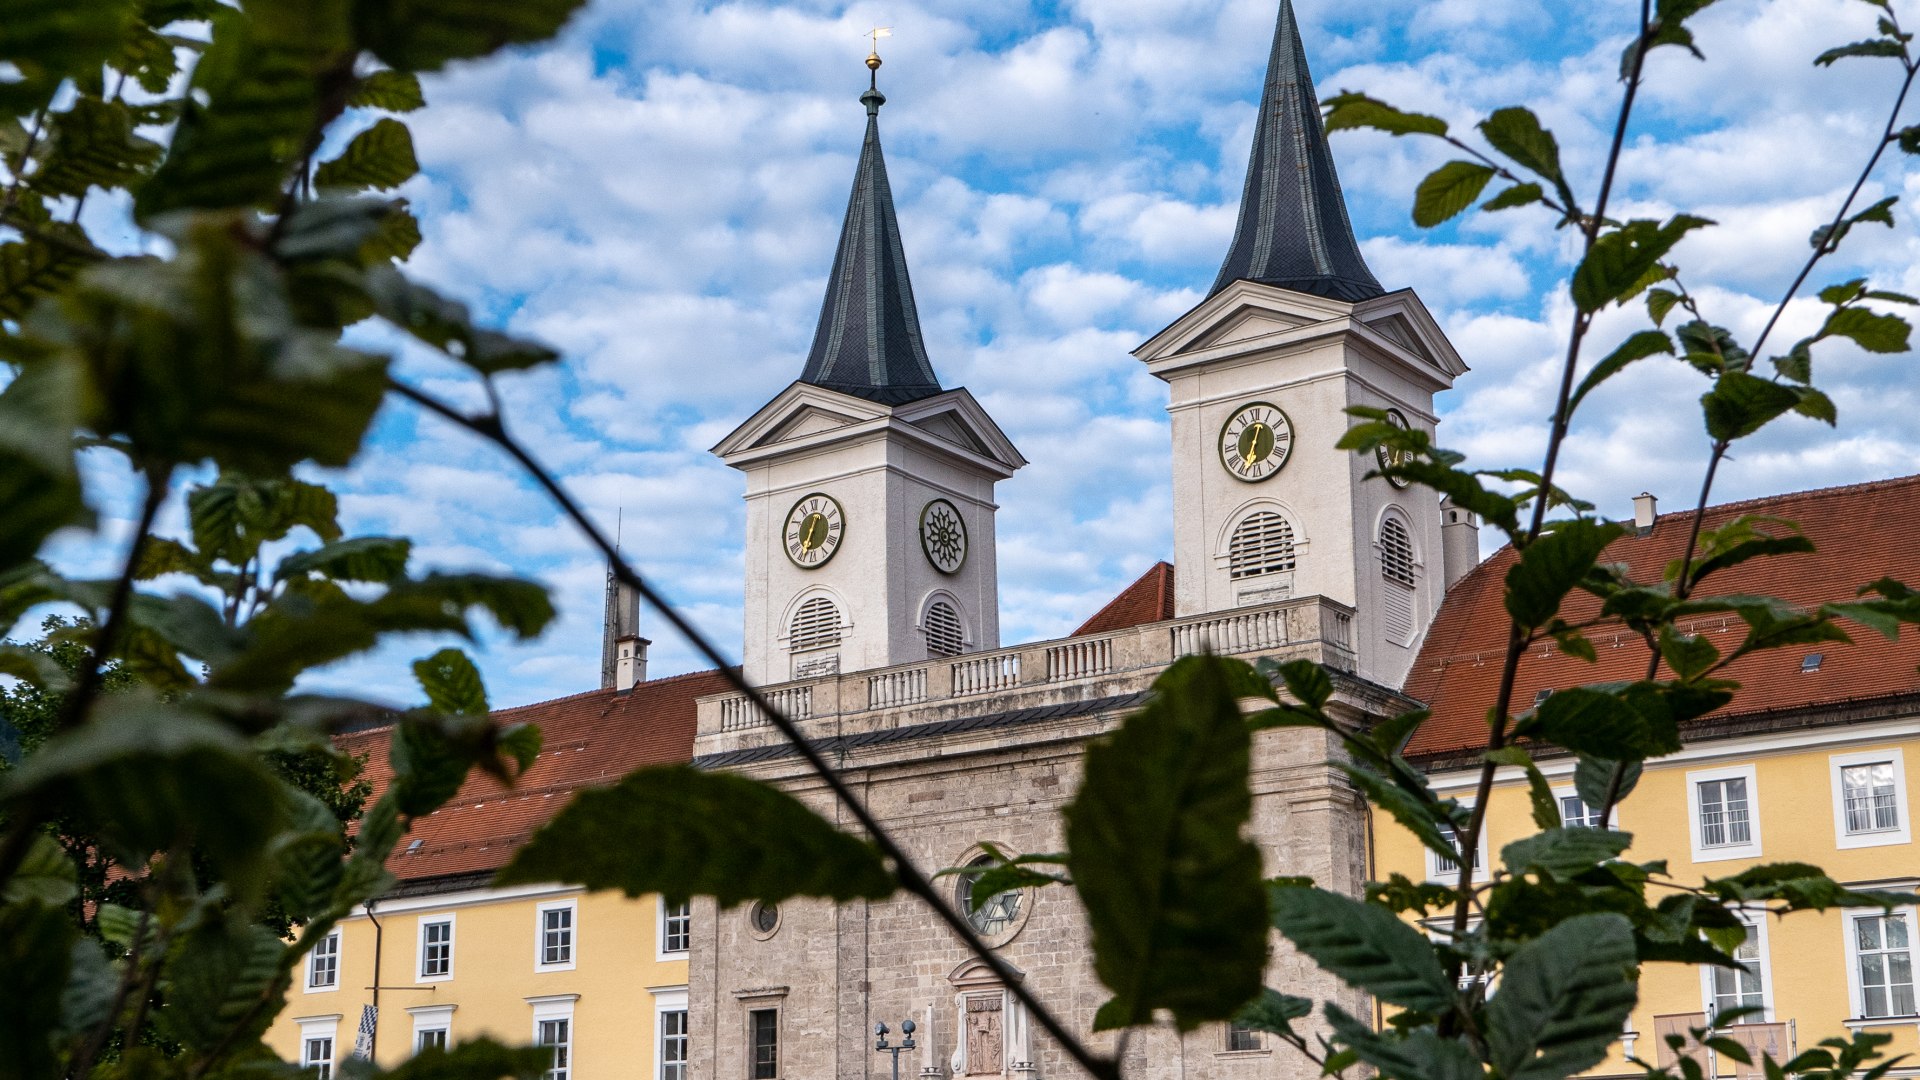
{"x": 658, "y": 192}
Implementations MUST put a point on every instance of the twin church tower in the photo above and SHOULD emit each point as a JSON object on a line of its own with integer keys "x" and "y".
{"x": 870, "y": 487}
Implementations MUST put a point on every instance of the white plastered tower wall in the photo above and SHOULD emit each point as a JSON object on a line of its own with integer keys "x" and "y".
{"x": 1313, "y": 358}
{"x": 882, "y": 464}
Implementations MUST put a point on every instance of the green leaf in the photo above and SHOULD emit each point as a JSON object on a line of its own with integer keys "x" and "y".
{"x": 1307, "y": 681}
{"x": 1517, "y": 195}
{"x": 1421, "y": 817}
{"x": 1870, "y": 330}
{"x": 86, "y": 1001}
{"x": 1801, "y": 887}
{"x": 452, "y": 683}
{"x": 219, "y": 974}
{"x": 445, "y": 325}
{"x": 1740, "y": 404}
{"x": 93, "y": 145}
{"x": 1660, "y": 302}
{"x": 1620, "y": 259}
{"x": 1601, "y": 721}
{"x": 1875, "y": 47}
{"x": 1349, "y": 110}
{"x": 154, "y": 775}
{"x": 475, "y": 1059}
{"x": 1638, "y": 347}
{"x": 1563, "y": 999}
{"x": 1552, "y": 566}
{"x": 1564, "y": 853}
{"x": 393, "y": 91}
{"x": 49, "y": 39}
{"x": 253, "y": 105}
{"x": 423, "y": 35}
{"x": 380, "y": 157}
{"x": 46, "y": 876}
{"x": 307, "y": 856}
{"x": 1365, "y": 945}
{"x": 1448, "y": 190}
{"x": 36, "y": 953}
{"x": 1517, "y": 133}
{"x": 1274, "y": 1012}
{"x": 681, "y": 832}
{"x": 1546, "y": 805}
{"x": 1418, "y": 1054}
{"x": 1689, "y": 655}
{"x": 379, "y": 559}
{"x": 1155, "y": 846}
{"x": 41, "y": 266}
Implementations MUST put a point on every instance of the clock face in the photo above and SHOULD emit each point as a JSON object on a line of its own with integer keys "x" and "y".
{"x": 943, "y": 536}
{"x": 813, "y": 532}
{"x": 998, "y": 913}
{"x": 1255, "y": 441}
{"x": 1389, "y": 457}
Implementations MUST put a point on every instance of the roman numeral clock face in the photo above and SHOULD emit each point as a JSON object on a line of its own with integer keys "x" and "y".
{"x": 1255, "y": 441}
{"x": 813, "y": 532}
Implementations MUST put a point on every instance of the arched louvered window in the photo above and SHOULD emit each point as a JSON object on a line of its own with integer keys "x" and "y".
{"x": 816, "y": 624}
{"x": 1262, "y": 544}
{"x": 1396, "y": 552}
{"x": 944, "y": 636}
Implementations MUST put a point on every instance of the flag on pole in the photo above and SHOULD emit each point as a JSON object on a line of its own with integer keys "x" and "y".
{"x": 363, "y": 1042}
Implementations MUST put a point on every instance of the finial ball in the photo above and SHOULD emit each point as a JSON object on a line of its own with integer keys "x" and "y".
{"x": 873, "y": 61}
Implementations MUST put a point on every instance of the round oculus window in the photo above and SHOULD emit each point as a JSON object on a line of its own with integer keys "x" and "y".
{"x": 998, "y": 913}
{"x": 763, "y": 918}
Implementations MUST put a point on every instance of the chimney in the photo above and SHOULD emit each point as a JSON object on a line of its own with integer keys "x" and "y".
{"x": 630, "y": 662}
{"x": 621, "y": 623}
{"x": 1643, "y": 512}
{"x": 1459, "y": 541}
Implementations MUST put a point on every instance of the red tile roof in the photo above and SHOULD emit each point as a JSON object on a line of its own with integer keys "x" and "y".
{"x": 1862, "y": 532}
{"x": 1149, "y": 599}
{"x": 588, "y": 740}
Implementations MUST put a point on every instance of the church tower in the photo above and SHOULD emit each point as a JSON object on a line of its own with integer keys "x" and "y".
{"x": 870, "y": 538}
{"x": 1295, "y": 331}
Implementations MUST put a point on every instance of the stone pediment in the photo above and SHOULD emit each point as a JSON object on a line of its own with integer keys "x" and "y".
{"x": 804, "y": 416}
{"x": 810, "y": 420}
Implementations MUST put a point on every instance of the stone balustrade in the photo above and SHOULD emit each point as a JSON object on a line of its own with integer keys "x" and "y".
{"x": 1036, "y": 674}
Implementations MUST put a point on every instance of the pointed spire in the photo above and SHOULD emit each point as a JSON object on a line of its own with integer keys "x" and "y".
{"x": 868, "y": 341}
{"x": 1293, "y": 231}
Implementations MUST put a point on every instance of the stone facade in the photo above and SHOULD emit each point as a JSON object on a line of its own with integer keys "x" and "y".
{"x": 951, "y": 769}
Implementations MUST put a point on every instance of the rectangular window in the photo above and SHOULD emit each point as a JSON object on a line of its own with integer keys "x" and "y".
{"x": 1240, "y": 1037}
{"x": 673, "y": 1044}
{"x": 676, "y": 927}
{"x": 763, "y": 1050}
{"x": 318, "y": 1056}
{"x": 556, "y": 935}
{"x": 1445, "y": 867}
{"x": 436, "y": 948}
{"x": 1725, "y": 819}
{"x": 1743, "y": 989}
{"x": 559, "y": 1035}
{"x": 1883, "y": 951}
{"x": 430, "y": 1039}
{"x": 1576, "y": 814}
{"x": 1871, "y": 797}
{"x": 323, "y": 963}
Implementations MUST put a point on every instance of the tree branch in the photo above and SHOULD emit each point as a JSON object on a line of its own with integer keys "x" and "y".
{"x": 912, "y": 879}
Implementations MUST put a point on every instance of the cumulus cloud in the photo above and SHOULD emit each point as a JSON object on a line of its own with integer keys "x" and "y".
{"x": 658, "y": 193}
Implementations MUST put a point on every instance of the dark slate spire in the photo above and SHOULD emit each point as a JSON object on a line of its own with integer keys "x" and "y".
{"x": 868, "y": 342}
{"x": 1293, "y": 230}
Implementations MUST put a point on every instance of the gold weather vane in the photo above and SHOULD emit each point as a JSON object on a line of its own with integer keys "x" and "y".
{"x": 873, "y": 58}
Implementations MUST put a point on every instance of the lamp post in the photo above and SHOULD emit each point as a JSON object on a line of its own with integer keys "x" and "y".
{"x": 881, "y": 1045}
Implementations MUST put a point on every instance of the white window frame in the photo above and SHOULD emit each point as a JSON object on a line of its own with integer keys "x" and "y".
{"x": 1752, "y": 848}
{"x": 558, "y": 1007}
{"x": 420, "y": 947}
{"x": 1451, "y": 875}
{"x": 431, "y": 1018}
{"x": 1763, "y": 964}
{"x": 668, "y": 999}
{"x": 1856, "y": 999}
{"x": 1837, "y": 763}
{"x": 571, "y": 905}
{"x": 320, "y": 1027}
{"x": 333, "y": 937}
{"x": 1561, "y": 794}
{"x": 661, "y": 952}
